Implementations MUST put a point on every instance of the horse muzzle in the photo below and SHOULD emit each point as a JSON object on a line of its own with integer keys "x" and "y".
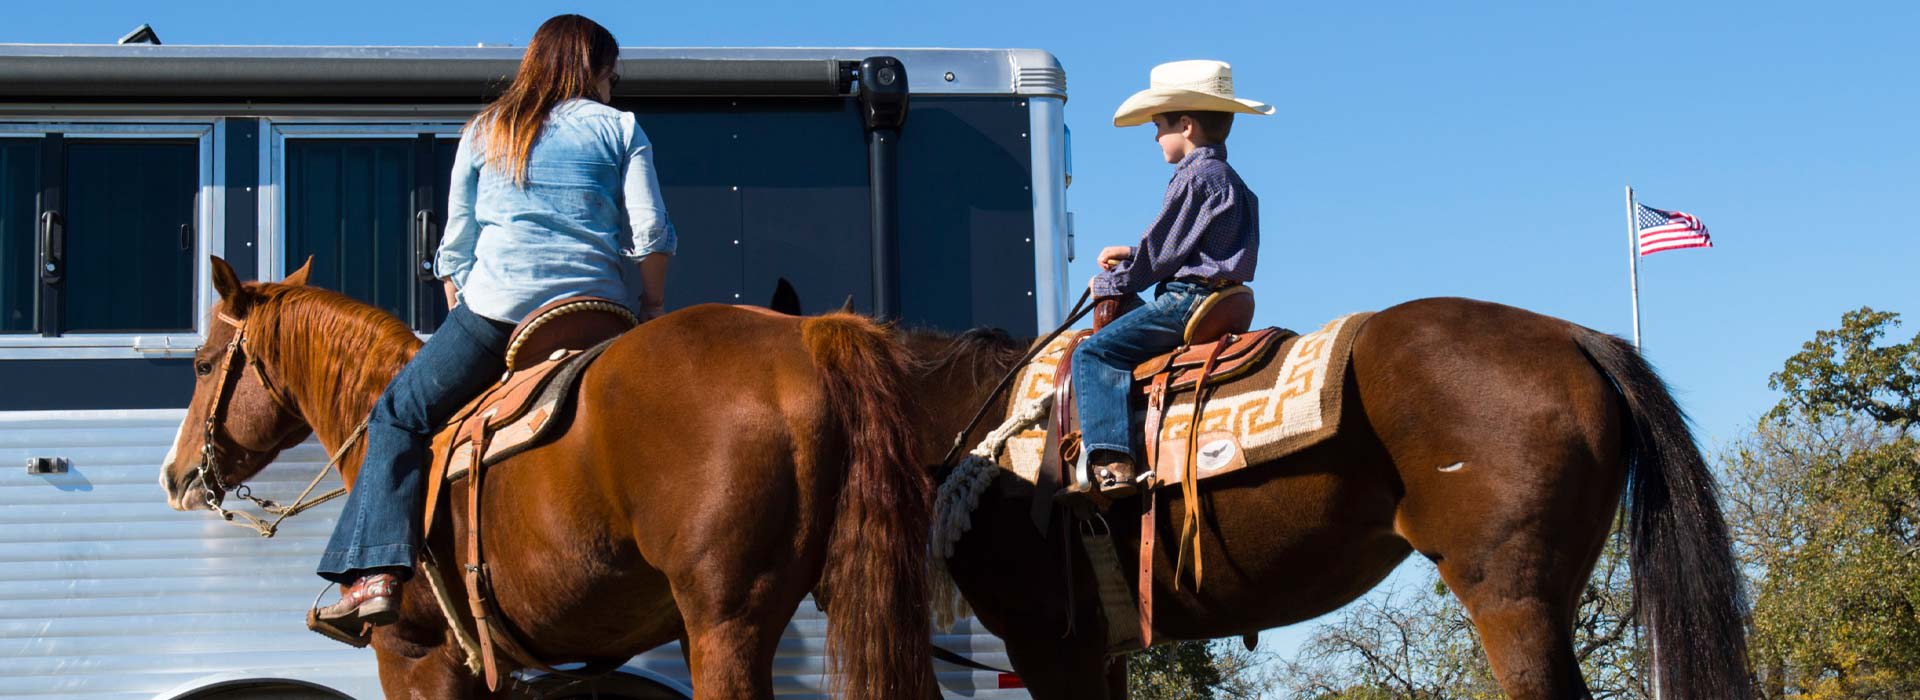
{"x": 184, "y": 493}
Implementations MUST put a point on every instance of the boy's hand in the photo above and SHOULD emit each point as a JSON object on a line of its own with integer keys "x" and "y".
{"x": 1113, "y": 255}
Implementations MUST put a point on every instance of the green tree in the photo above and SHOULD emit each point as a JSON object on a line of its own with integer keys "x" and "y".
{"x": 1214, "y": 670}
{"x": 1824, "y": 496}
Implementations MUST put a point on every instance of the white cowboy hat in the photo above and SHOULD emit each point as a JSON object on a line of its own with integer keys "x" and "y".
{"x": 1180, "y": 86}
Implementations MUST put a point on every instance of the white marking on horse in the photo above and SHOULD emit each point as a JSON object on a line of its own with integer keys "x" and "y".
{"x": 1456, "y": 466}
{"x": 167, "y": 463}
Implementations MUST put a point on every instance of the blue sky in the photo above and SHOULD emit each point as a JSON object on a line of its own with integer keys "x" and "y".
{"x": 1420, "y": 149}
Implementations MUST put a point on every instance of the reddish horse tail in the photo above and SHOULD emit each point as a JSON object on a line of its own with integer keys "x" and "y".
{"x": 878, "y": 621}
{"x": 1684, "y": 574}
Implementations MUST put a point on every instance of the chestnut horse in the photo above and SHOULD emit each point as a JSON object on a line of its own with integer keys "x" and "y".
{"x": 1493, "y": 441}
{"x": 718, "y": 461}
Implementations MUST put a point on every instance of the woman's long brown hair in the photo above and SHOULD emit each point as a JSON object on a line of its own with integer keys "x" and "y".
{"x": 567, "y": 56}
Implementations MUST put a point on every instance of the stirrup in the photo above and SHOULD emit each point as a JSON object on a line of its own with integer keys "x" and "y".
{"x": 332, "y": 630}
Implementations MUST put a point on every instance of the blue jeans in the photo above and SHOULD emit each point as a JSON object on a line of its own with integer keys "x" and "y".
{"x": 380, "y": 525}
{"x": 1103, "y": 364}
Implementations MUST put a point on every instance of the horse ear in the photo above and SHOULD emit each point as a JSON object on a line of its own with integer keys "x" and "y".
{"x": 847, "y": 307}
{"x": 224, "y": 280}
{"x": 785, "y": 299}
{"x": 299, "y": 277}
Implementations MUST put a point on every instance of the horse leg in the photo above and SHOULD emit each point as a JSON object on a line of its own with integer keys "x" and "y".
{"x": 1056, "y": 669}
{"x": 1518, "y": 563}
{"x": 732, "y": 658}
{"x": 1527, "y": 629}
{"x": 1518, "y": 560}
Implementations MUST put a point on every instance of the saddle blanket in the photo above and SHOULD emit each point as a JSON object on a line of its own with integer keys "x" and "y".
{"x": 1290, "y": 404}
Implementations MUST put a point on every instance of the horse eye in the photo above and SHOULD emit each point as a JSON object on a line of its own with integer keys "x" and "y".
{"x": 203, "y": 368}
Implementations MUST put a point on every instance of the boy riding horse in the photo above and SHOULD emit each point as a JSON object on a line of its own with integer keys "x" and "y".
{"x": 1206, "y": 239}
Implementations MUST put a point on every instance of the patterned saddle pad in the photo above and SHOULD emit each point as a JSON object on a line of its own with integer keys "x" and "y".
{"x": 1290, "y": 403}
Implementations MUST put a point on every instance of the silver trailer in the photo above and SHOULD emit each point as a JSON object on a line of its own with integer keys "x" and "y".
{"x": 123, "y": 167}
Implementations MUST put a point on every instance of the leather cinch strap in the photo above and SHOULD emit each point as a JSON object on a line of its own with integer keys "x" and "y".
{"x": 1149, "y": 516}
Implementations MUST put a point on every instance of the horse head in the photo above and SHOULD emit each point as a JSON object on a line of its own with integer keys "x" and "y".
{"x": 240, "y": 419}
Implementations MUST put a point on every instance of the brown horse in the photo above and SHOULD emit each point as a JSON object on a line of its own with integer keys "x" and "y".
{"x": 719, "y": 460}
{"x": 1493, "y": 441}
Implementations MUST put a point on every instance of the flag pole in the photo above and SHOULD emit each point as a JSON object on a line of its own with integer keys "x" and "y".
{"x": 1633, "y": 283}
{"x": 1633, "y": 264}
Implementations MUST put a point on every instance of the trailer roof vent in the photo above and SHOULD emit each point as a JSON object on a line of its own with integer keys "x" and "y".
{"x": 142, "y": 34}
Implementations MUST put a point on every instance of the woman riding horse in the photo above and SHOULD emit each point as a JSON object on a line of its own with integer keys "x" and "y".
{"x": 553, "y": 196}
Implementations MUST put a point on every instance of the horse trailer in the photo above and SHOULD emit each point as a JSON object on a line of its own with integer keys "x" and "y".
{"x": 123, "y": 167}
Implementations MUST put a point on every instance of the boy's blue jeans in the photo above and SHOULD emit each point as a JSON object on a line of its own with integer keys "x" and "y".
{"x": 1103, "y": 364}
{"x": 380, "y": 525}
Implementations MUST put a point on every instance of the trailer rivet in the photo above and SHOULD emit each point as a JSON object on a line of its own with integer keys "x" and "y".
{"x": 949, "y": 76}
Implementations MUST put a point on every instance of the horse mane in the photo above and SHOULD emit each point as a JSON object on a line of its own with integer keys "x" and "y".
{"x": 981, "y": 352}
{"x": 329, "y": 346}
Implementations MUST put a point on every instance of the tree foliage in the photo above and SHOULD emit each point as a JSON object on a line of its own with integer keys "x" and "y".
{"x": 1215, "y": 670}
{"x": 1825, "y": 500}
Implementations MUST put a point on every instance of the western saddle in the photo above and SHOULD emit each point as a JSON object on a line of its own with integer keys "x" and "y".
{"x": 1216, "y": 346}
{"x": 546, "y": 355}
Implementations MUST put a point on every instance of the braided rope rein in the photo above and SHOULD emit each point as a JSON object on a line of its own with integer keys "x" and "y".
{"x": 958, "y": 495}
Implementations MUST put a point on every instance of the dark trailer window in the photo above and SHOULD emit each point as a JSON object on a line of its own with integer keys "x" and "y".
{"x": 19, "y": 209}
{"x": 765, "y": 189}
{"x": 355, "y": 205}
{"x": 97, "y": 235}
{"x": 130, "y": 235}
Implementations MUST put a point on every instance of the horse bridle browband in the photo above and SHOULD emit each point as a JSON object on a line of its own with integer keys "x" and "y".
{"x": 214, "y": 487}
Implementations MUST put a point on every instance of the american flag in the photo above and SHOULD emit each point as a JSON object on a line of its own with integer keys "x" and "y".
{"x": 1670, "y": 230}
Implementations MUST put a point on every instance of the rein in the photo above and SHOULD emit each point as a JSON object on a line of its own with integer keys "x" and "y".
{"x": 216, "y": 489}
{"x": 1080, "y": 310}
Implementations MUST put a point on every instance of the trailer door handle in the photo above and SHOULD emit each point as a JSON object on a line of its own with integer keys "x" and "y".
{"x": 53, "y": 242}
{"x": 423, "y": 245}
{"x": 186, "y": 238}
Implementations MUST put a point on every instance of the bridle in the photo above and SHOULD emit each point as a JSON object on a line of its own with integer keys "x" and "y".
{"x": 216, "y": 489}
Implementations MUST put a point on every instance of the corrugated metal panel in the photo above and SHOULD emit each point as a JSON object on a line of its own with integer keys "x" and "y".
{"x": 106, "y": 594}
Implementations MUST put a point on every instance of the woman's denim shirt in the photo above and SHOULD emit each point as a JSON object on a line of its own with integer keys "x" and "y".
{"x": 590, "y": 210}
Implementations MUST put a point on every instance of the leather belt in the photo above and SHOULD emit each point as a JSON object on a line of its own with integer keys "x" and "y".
{"x": 1210, "y": 284}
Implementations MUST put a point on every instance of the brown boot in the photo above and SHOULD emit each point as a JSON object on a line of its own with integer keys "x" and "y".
{"x": 1113, "y": 474}
{"x": 372, "y": 600}
{"x": 1113, "y": 478}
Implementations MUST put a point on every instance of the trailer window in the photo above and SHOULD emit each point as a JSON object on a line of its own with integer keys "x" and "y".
{"x": 358, "y": 206}
{"x": 19, "y": 192}
{"x": 99, "y": 234}
{"x": 130, "y": 235}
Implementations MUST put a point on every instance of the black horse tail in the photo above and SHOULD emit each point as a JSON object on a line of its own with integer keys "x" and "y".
{"x": 1685, "y": 581}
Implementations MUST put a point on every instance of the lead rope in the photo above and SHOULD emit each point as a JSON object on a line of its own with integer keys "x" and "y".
{"x": 300, "y": 504}
{"x": 440, "y": 597}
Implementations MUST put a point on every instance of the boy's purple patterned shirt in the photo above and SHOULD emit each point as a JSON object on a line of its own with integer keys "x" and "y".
{"x": 1209, "y": 226}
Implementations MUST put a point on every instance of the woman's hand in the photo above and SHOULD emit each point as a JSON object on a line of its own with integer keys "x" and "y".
{"x": 453, "y": 293}
{"x": 1113, "y": 255}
